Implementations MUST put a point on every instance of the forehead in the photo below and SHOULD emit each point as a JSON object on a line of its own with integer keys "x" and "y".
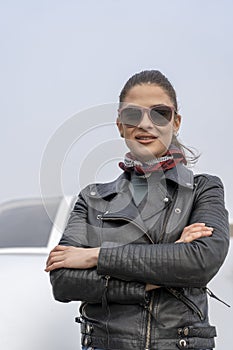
{"x": 147, "y": 95}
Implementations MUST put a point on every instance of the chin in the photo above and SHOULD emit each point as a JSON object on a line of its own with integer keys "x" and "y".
{"x": 146, "y": 154}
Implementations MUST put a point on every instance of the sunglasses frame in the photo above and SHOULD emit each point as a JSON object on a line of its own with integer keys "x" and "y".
{"x": 148, "y": 111}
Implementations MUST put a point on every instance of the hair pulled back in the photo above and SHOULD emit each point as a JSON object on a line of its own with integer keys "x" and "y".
{"x": 155, "y": 77}
{"x": 150, "y": 77}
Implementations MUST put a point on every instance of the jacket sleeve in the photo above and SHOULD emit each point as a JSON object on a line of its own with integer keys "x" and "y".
{"x": 86, "y": 284}
{"x": 182, "y": 264}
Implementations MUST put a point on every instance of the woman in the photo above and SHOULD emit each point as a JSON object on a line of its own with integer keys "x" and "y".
{"x": 139, "y": 252}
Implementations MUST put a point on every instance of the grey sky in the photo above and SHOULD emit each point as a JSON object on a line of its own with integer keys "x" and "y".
{"x": 61, "y": 57}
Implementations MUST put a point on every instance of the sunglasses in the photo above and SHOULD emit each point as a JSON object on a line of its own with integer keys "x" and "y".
{"x": 160, "y": 115}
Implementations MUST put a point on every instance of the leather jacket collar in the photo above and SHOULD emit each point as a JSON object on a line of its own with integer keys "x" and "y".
{"x": 179, "y": 175}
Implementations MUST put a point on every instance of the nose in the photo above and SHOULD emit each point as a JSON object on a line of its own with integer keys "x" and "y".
{"x": 145, "y": 123}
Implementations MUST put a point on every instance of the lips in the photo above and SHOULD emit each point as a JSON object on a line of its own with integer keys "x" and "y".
{"x": 145, "y": 138}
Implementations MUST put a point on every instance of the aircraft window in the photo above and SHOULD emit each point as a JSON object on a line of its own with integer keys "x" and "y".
{"x": 27, "y": 225}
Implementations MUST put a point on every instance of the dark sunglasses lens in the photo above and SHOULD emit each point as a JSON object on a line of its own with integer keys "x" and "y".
{"x": 131, "y": 116}
{"x": 161, "y": 116}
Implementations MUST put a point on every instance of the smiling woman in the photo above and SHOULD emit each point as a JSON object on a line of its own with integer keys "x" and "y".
{"x": 149, "y": 135}
{"x": 140, "y": 251}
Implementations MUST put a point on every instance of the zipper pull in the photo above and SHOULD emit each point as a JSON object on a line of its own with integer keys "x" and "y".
{"x": 100, "y": 216}
{"x": 212, "y": 295}
{"x": 104, "y": 297}
{"x": 107, "y": 277}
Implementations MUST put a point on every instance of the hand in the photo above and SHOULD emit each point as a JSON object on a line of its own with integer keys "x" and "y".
{"x": 194, "y": 231}
{"x": 72, "y": 257}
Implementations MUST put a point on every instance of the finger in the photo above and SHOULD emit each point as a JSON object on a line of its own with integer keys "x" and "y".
{"x": 60, "y": 247}
{"x": 203, "y": 230}
{"x": 54, "y": 253}
{"x": 196, "y": 224}
{"x": 54, "y": 266}
{"x": 54, "y": 249}
{"x": 55, "y": 256}
{"x": 55, "y": 259}
{"x": 195, "y": 235}
{"x": 194, "y": 229}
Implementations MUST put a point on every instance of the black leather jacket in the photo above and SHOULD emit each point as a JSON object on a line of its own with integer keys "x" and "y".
{"x": 137, "y": 247}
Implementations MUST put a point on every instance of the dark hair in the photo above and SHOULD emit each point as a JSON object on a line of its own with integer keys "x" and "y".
{"x": 150, "y": 77}
{"x": 155, "y": 77}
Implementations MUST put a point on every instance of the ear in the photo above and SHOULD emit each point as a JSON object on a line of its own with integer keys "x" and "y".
{"x": 176, "y": 123}
{"x": 120, "y": 127}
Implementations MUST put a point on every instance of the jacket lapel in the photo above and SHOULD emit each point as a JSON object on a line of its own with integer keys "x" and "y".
{"x": 122, "y": 206}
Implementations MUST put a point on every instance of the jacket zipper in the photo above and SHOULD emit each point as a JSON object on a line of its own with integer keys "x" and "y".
{"x": 166, "y": 220}
{"x": 149, "y": 308}
{"x": 107, "y": 277}
{"x": 148, "y": 332}
{"x": 148, "y": 328}
{"x": 186, "y": 301}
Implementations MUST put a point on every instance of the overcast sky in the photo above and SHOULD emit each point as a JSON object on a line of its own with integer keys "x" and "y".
{"x": 62, "y": 57}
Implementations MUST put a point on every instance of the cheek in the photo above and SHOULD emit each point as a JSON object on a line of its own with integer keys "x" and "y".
{"x": 166, "y": 135}
{"x": 127, "y": 132}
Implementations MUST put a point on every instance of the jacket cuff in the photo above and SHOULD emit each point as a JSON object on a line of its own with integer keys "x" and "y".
{"x": 106, "y": 259}
{"x": 123, "y": 292}
{"x": 119, "y": 290}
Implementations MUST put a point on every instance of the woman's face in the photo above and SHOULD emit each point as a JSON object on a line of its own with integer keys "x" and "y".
{"x": 147, "y": 140}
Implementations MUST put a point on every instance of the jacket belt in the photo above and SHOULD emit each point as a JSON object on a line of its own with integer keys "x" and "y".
{"x": 189, "y": 331}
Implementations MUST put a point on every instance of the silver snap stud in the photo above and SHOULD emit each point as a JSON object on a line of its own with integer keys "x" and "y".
{"x": 166, "y": 199}
{"x": 177, "y": 211}
{"x": 183, "y": 343}
{"x": 89, "y": 328}
{"x": 92, "y": 193}
{"x": 180, "y": 331}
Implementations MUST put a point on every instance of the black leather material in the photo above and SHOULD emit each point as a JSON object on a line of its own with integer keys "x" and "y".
{"x": 137, "y": 247}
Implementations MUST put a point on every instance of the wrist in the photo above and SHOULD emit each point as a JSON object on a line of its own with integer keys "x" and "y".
{"x": 95, "y": 255}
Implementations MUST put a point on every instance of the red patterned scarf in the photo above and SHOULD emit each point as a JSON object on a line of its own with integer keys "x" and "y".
{"x": 168, "y": 161}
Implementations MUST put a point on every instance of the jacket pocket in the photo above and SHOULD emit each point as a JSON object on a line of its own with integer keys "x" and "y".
{"x": 188, "y": 302}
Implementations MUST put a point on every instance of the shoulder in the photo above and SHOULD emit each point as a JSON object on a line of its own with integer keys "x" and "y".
{"x": 207, "y": 180}
{"x": 208, "y": 187}
{"x": 101, "y": 190}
